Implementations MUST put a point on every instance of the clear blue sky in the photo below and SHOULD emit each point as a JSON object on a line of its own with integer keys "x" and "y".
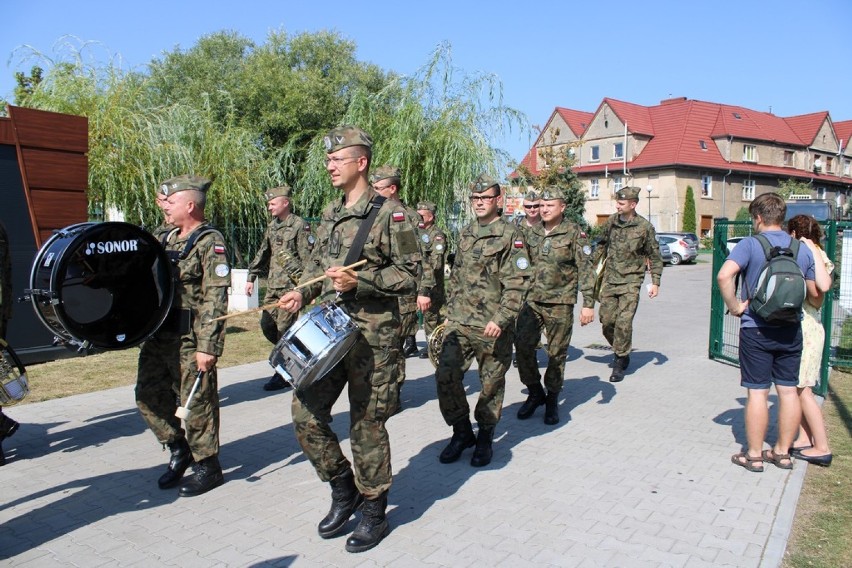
{"x": 790, "y": 56}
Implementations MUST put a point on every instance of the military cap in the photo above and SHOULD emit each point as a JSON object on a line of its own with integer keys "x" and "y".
{"x": 344, "y": 137}
{"x": 532, "y": 195}
{"x": 184, "y": 183}
{"x": 280, "y": 191}
{"x": 384, "y": 172}
{"x": 427, "y": 206}
{"x": 482, "y": 183}
{"x": 551, "y": 193}
{"x": 628, "y": 193}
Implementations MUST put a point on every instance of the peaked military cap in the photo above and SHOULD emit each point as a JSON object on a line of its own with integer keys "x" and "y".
{"x": 184, "y": 183}
{"x": 384, "y": 172}
{"x": 280, "y": 191}
{"x": 482, "y": 183}
{"x": 426, "y": 206}
{"x": 628, "y": 193}
{"x": 344, "y": 137}
{"x": 552, "y": 193}
{"x": 532, "y": 195}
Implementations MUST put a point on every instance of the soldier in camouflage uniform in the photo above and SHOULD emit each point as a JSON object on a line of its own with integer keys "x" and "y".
{"x": 532, "y": 212}
{"x": 630, "y": 244}
{"x": 561, "y": 264}
{"x": 371, "y": 297}
{"x": 487, "y": 285}
{"x": 386, "y": 181}
{"x": 7, "y": 425}
{"x": 431, "y": 297}
{"x": 202, "y": 277}
{"x": 285, "y": 248}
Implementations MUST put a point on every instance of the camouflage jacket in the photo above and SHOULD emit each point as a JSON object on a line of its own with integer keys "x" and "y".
{"x": 561, "y": 264}
{"x": 408, "y": 303}
{"x": 631, "y": 248}
{"x": 434, "y": 246}
{"x": 5, "y": 276}
{"x": 201, "y": 286}
{"x": 392, "y": 269}
{"x": 490, "y": 275}
{"x": 285, "y": 248}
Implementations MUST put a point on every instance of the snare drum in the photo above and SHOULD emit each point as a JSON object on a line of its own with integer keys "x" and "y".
{"x": 102, "y": 285}
{"x": 313, "y": 345}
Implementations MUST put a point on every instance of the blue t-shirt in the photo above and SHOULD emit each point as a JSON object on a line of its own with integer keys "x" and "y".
{"x": 748, "y": 254}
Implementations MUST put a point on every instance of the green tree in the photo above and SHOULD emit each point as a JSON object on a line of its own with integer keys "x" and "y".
{"x": 789, "y": 187}
{"x": 689, "y": 211}
{"x": 558, "y": 172}
{"x": 744, "y": 216}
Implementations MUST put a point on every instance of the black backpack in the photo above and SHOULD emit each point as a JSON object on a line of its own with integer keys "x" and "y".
{"x": 781, "y": 287}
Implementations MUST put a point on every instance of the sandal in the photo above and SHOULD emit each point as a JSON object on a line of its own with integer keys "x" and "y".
{"x": 777, "y": 459}
{"x": 742, "y": 459}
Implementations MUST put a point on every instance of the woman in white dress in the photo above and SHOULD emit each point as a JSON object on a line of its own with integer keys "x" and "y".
{"x": 812, "y": 439}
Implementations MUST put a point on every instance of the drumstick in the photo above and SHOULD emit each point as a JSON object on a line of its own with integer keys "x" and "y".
{"x": 273, "y": 304}
{"x": 182, "y": 412}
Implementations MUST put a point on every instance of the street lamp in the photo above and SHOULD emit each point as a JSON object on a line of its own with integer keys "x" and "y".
{"x": 649, "y": 188}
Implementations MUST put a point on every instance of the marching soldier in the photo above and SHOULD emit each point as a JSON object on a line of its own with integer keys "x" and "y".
{"x": 370, "y": 296}
{"x": 7, "y": 425}
{"x": 631, "y": 247}
{"x": 487, "y": 286}
{"x": 561, "y": 263}
{"x": 431, "y": 298}
{"x": 284, "y": 250}
{"x": 532, "y": 212}
{"x": 202, "y": 277}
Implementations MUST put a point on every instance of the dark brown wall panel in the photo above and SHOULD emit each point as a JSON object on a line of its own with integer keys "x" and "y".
{"x": 58, "y": 209}
{"x": 51, "y": 130}
{"x": 55, "y": 170}
{"x": 7, "y": 135}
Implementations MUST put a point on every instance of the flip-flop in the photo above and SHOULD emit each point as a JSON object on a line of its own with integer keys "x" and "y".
{"x": 777, "y": 459}
{"x": 742, "y": 459}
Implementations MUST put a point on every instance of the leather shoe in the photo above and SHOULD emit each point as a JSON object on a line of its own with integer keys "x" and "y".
{"x": 823, "y": 460}
{"x": 208, "y": 475}
{"x": 275, "y": 382}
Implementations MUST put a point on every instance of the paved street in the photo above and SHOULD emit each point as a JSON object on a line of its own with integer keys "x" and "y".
{"x": 636, "y": 474}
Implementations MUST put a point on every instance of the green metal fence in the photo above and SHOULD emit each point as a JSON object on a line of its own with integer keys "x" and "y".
{"x": 836, "y": 309}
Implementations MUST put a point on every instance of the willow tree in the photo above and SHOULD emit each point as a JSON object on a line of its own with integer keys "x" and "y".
{"x": 435, "y": 126}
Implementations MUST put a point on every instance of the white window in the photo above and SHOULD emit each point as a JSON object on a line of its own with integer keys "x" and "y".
{"x": 618, "y": 150}
{"x": 706, "y": 186}
{"x": 820, "y": 193}
{"x": 749, "y": 153}
{"x": 596, "y": 188}
{"x": 596, "y": 153}
{"x": 748, "y": 190}
{"x": 617, "y": 184}
{"x": 846, "y": 167}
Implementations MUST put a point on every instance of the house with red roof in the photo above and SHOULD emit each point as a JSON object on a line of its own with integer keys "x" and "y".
{"x": 728, "y": 154}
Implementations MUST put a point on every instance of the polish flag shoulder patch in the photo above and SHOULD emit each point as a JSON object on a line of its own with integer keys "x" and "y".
{"x": 398, "y": 216}
{"x": 219, "y": 249}
{"x": 519, "y": 243}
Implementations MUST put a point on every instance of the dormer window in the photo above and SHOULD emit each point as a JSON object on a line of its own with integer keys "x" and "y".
{"x": 737, "y": 116}
{"x": 703, "y": 144}
{"x": 749, "y": 153}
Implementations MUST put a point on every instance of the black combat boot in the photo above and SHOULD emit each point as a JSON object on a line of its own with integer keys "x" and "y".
{"x": 275, "y": 382}
{"x": 7, "y": 428}
{"x": 618, "y": 368}
{"x": 534, "y": 400}
{"x": 409, "y": 347}
{"x": 482, "y": 454}
{"x": 207, "y": 476}
{"x": 372, "y": 527}
{"x": 424, "y": 353}
{"x": 551, "y": 408}
{"x": 180, "y": 460}
{"x": 463, "y": 437}
{"x": 345, "y": 499}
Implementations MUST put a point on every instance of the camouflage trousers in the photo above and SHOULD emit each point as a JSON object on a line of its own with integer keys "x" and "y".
{"x": 493, "y": 357}
{"x": 408, "y": 326}
{"x": 167, "y": 370}
{"x": 373, "y": 396}
{"x": 618, "y": 306}
{"x": 557, "y": 321}
{"x": 433, "y": 317}
{"x": 274, "y": 322}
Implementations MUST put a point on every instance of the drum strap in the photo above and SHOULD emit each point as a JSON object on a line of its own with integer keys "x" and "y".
{"x": 361, "y": 236}
{"x": 190, "y": 242}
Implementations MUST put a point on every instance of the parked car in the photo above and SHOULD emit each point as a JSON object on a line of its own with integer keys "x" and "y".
{"x": 691, "y": 237}
{"x": 732, "y": 242}
{"x": 665, "y": 253}
{"x": 682, "y": 249}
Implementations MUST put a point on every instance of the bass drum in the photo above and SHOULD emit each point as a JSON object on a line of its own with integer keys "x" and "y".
{"x": 101, "y": 285}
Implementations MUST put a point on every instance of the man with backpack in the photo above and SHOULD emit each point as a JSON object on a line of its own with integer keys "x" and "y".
{"x": 769, "y": 308}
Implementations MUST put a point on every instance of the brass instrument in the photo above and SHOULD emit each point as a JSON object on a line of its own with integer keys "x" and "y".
{"x": 14, "y": 386}
{"x": 433, "y": 348}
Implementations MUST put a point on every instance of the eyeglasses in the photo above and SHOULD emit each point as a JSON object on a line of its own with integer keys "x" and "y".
{"x": 477, "y": 198}
{"x": 382, "y": 188}
{"x": 531, "y": 206}
{"x": 339, "y": 161}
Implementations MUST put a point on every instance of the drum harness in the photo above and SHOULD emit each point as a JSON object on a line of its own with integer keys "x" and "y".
{"x": 363, "y": 229}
